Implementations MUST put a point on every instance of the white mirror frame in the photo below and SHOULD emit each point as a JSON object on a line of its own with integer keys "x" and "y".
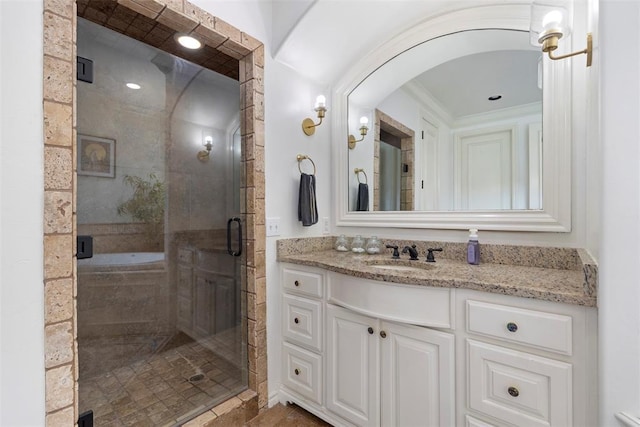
{"x": 556, "y": 200}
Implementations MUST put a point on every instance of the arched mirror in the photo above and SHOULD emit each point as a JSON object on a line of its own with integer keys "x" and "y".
{"x": 455, "y": 137}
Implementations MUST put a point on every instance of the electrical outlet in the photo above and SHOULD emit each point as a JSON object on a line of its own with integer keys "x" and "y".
{"x": 325, "y": 225}
{"x": 273, "y": 227}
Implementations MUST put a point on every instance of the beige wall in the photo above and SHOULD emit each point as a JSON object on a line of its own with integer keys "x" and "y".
{"x": 135, "y": 121}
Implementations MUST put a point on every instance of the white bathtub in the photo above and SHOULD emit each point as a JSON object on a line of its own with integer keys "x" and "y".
{"x": 125, "y": 259}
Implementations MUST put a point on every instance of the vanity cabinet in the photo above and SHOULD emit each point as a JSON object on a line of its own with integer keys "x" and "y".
{"x": 302, "y": 348}
{"x": 206, "y": 292}
{"x": 524, "y": 362}
{"x": 360, "y": 352}
{"x": 351, "y": 352}
{"x": 385, "y": 373}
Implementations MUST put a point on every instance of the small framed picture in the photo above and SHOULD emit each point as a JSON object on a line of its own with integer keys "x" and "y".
{"x": 96, "y": 156}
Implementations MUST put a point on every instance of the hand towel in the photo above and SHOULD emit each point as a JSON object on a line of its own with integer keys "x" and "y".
{"x": 362, "y": 204}
{"x": 307, "y": 208}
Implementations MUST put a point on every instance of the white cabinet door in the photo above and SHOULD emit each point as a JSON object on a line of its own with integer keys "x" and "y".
{"x": 484, "y": 161}
{"x": 417, "y": 376}
{"x": 352, "y": 366}
{"x": 520, "y": 388}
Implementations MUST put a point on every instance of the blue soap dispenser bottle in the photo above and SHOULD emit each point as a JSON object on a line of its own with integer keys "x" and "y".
{"x": 473, "y": 248}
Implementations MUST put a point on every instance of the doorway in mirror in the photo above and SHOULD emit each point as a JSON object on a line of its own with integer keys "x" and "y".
{"x": 393, "y": 164}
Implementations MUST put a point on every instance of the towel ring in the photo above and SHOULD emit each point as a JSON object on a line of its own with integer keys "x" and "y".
{"x": 357, "y": 172}
{"x": 302, "y": 157}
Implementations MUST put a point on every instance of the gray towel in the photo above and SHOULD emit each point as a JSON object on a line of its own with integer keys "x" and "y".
{"x": 307, "y": 208}
{"x": 362, "y": 204}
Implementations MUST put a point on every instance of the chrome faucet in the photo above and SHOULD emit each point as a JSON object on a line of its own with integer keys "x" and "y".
{"x": 413, "y": 252}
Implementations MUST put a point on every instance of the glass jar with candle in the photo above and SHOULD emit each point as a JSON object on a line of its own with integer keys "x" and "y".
{"x": 373, "y": 245}
{"x": 342, "y": 244}
{"x": 357, "y": 245}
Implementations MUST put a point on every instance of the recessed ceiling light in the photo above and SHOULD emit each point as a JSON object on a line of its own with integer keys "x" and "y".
{"x": 188, "y": 41}
{"x": 495, "y": 97}
{"x": 133, "y": 86}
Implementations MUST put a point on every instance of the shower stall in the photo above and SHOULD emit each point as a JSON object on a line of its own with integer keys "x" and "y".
{"x": 161, "y": 309}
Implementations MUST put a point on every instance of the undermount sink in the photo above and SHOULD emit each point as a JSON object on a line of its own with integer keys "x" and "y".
{"x": 401, "y": 265}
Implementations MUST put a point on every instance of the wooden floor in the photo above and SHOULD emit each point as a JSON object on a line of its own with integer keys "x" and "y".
{"x": 284, "y": 416}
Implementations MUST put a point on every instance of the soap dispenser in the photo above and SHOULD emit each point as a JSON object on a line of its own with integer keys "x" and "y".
{"x": 473, "y": 248}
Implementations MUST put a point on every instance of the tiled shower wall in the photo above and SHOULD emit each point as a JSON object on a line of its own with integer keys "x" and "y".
{"x": 122, "y": 237}
{"x": 60, "y": 281}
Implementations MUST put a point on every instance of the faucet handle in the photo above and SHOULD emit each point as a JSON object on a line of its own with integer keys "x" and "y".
{"x": 396, "y": 254}
{"x": 430, "y": 257}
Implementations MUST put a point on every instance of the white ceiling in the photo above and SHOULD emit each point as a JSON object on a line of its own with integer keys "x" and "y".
{"x": 321, "y": 38}
{"x": 463, "y": 86}
{"x": 334, "y": 33}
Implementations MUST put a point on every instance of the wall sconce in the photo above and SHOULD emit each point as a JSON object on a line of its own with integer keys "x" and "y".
{"x": 549, "y": 23}
{"x": 207, "y": 143}
{"x": 364, "y": 121}
{"x": 308, "y": 127}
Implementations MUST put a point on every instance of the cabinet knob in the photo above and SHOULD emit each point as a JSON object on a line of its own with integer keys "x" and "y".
{"x": 295, "y": 320}
{"x": 383, "y": 334}
{"x": 512, "y": 327}
{"x": 296, "y": 283}
{"x": 513, "y": 391}
{"x": 370, "y": 330}
{"x": 297, "y": 371}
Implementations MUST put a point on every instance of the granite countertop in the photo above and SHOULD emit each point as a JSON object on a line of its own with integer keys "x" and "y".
{"x": 565, "y": 285}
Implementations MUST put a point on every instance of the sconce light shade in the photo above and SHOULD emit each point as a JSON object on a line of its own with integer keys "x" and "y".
{"x": 207, "y": 143}
{"x": 550, "y": 18}
{"x": 550, "y": 21}
{"x": 308, "y": 126}
{"x": 364, "y": 121}
{"x": 321, "y": 102}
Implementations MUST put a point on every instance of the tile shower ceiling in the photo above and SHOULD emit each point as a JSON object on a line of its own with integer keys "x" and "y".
{"x": 110, "y": 14}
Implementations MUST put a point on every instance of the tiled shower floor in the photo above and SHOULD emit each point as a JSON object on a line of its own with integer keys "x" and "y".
{"x": 164, "y": 389}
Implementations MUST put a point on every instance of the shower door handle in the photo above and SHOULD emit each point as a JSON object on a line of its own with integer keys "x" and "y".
{"x": 229, "y": 249}
{"x": 84, "y": 245}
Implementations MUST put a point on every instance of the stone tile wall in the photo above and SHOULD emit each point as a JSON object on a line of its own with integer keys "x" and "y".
{"x": 59, "y": 215}
{"x": 122, "y": 237}
{"x": 60, "y": 280}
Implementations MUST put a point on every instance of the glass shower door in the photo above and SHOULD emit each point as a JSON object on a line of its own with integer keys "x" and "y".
{"x": 160, "y": 315}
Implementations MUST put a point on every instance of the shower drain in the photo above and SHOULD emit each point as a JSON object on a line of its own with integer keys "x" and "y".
{"x": 195, "y": 378}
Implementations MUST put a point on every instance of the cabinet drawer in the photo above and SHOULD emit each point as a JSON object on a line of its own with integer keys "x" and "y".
{"x": 416, "y": 305}
{"x": 302, "y": 324}
{"x": 301, "y": 372}
{"x": 517, "y": 387}
{"x": 546, "y": 331}
{"x": 302, "y": 282}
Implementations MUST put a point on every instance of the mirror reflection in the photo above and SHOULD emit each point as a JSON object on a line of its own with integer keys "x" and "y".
{"x": 455, "y": 125}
